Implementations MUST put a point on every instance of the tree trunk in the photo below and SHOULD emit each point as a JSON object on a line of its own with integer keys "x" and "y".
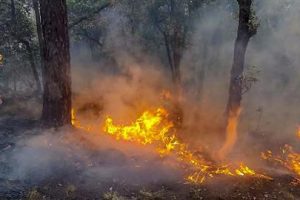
{"x": 15, "y": 82}
{"x": 177, "y": 46}
{"x": 177, "y": 43}
{"x": 36, "y": 8}
{"x": 57, "y": 80}
{"x": 245, "y": 31}
{"x": 33, "y": 66}
{"x": 243, "y": 36}
{"x": 168, "y": 50}
{"x": 174, "y": 39}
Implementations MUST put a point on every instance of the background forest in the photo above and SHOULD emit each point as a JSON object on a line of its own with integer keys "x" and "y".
{"x": 127, "y": 56}
{"x": 110, "y": 36}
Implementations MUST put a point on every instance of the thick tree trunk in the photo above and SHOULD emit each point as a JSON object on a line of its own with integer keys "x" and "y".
{"x": 57, "y": 80}
{"x": 243, "y": 36}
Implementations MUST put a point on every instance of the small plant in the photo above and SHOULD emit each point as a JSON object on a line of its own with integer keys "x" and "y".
{"x": 112, "y": 195}
{"x": 150, "y": 195}
{"x": 34, "y": 195}
{"x": 70, "y": 189}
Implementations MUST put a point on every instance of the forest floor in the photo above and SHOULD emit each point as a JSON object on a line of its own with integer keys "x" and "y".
{"x": 71, "y": 185}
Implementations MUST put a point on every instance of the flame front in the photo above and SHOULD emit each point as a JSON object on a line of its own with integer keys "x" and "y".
{"x": 288, "y": 159}
{"x": 154, "y": 128}
{"x": 147, "y": 129}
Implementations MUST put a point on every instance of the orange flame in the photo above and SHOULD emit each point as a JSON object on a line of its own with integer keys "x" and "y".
{"x": 298, "y": 132}
{"x": 231, "y": 134}
{"x": 1, "y": 58}
{"x": 288, "y": 159}
{"x": 154, "y": 128}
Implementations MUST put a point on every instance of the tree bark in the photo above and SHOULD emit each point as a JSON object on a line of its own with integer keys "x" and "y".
{"x": 244, "y": 33}
{"x": 57, "y": 80}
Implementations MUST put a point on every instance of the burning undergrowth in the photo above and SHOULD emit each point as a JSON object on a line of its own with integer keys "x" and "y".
{"x": 154, "y": 128}
{"x": 157, "y": 120}
{"x": 135, "y": 133}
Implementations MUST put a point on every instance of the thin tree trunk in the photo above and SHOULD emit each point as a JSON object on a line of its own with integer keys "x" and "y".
{"x": 57, "y": 80}
{"x": 13, "y": 11}
{"x": 15, "y": 81}
{"x": 177, "y": 54}
{"x": 36, "y": 7}
{"x": 176, "y": 45}
{"x": 244, "y": 33}
{"x": 33, "y": 66}
{"x": 168, "y": 50}
{"x": 243, "y": 36}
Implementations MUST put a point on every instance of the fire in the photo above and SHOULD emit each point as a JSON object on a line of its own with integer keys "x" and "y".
{"x": 73, "y": 119}
{"x": 1, "y": 59}
{"x": 154, "y": 128}
{"x": 288, "y": 159}
{"x": 244, "y": 170}
{"x": 148, "y": 128}
{"x": 231, "y": 134}
{"x": 298, "y": 132}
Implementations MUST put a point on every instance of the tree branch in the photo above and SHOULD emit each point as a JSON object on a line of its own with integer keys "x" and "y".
{"x": 84, "y": 18}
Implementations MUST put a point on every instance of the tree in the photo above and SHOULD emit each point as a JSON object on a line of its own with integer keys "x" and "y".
{"x": 18, "y": 31}
{"x": 173, "y": 19}
{"x": 85, "y": 25}
{"x": 56, "y": 55}
{"x": 170, "y": 19}
{"x": 246, "y": 29}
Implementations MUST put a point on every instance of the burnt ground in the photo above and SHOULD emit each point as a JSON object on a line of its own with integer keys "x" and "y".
{"x": 70, "y": 184}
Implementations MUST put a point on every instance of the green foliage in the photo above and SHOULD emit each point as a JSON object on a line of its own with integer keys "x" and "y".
{"x": 16, "y": 26}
